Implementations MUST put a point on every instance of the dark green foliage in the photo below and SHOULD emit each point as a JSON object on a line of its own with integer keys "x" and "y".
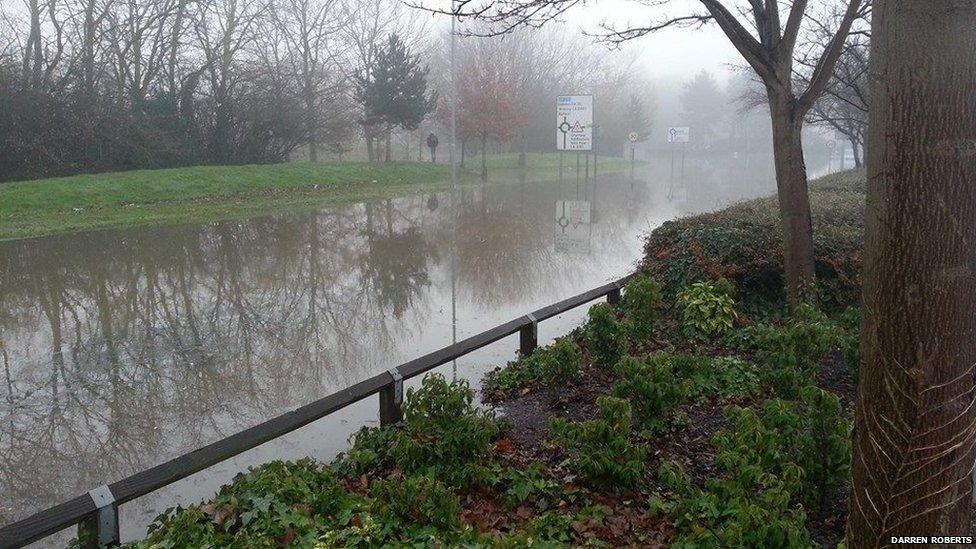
{"x": 519, "y": 485}
{"x": 302, "y": 498}
{"x": 744, "y": 244}
{"x": 652, "y": 389}
{"x": 707, "y": 308}
{"x": 639, "y": 303}
{"x": 790, "y": 354}
{"x": 556, "y": 364}
{"x": 722, "y": 377}
{"x": 560, "y": 362}
{"x": 739, "y": 510}
{"x": 604, "y": 335}
{"x": 810, "y": 434}
{"x": 442, "y": 434}
{"x": 416, "y": 500}
{"x": 395, "y": 91}
{"x": 600, "y": 449}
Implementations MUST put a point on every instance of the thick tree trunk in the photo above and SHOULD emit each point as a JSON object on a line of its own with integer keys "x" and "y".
{"x": 794, "y": 200}
{"x": 916, "y": 420}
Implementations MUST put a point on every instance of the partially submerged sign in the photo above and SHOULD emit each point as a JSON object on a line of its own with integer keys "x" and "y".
{"x": 574, "y": 123}
{"x": 679, "y": 134}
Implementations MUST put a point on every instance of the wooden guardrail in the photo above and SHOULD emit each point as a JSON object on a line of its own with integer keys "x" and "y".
{"x": 96, "y": 512}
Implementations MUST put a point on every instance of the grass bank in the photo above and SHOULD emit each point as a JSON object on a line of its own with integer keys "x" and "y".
{"x": 145, "y": 197}
{"x": 693, "y": 413}
{"x": 204, "y": 193}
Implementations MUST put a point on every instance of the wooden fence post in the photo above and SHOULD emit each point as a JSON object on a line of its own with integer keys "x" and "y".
{"x": 529, "y": 336}
{"x": 391, "y": 400}
{"x": 101, "y": 528}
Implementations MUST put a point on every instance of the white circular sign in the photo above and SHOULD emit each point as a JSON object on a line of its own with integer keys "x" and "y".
{"x": 633, "y": 137}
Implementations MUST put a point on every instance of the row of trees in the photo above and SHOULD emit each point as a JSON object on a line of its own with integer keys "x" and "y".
{"x": 117, "y": 84}
{"x": 121, "y": 84}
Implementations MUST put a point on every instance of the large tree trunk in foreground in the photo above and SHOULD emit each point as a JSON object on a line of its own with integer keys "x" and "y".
{"x": 916, "y": 421}
{"x": 794, "y": 200}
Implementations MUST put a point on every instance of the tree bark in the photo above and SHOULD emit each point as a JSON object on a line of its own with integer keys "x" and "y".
{"x": 794, "y": 200}
{"x": 915, "y": 423}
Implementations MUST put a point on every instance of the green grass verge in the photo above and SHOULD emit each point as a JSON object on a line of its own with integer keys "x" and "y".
{"x": 204, "y": 193}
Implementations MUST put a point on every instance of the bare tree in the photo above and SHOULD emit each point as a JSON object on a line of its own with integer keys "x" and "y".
{"x": 844, "y": 105}
{"x": 757, "y": 30}
{"x": 310, "y": 30}
{"x": 915, "y": 425}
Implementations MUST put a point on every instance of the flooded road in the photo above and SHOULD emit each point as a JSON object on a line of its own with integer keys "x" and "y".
{"x": 122, "y": 349}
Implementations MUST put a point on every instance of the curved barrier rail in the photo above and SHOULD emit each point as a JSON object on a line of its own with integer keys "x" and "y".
{"x": 96, "y": 513}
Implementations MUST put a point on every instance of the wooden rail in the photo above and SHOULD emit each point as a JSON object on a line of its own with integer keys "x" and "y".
{"x": 96, "y": 512}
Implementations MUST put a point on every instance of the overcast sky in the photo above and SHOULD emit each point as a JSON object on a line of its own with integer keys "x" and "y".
{"x": 668, "y": 54}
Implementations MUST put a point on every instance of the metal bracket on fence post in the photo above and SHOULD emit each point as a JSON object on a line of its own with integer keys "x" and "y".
{"x": 613, "y": 297}
{"x": 391, "y": 399}
{"x": 101, "y": 529}
{"x": 529, "y": 336}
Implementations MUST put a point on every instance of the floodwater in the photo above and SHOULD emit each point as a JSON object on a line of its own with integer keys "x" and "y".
{"x": 121, "y": 349}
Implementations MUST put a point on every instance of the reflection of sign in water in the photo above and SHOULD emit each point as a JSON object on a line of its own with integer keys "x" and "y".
{"x": 574, "y": 123}
{"x": 572, "y": 226}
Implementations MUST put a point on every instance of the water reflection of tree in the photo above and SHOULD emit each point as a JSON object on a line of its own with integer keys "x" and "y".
{"x": 396, "y": 262}
{"x": 121, "y": 350}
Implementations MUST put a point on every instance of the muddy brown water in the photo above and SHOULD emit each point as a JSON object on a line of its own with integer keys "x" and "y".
{"x": 120, "y": 349}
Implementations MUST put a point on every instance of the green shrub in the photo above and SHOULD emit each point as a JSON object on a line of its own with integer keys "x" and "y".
{"x": 810, "y": 434}
{"x": 560, "y": 362}
{"x": 415, "y": 500}
{"x": 789, "y": 354}
{"x": 639, "y": 303}
{"x": 722, "y": 377}
{"x": 600, "y": 449}
{"x": 652, "y": 389}
{"x": 604, "y": 335}
{"x": 443, "y": 434}
{"x": 740, "y": 511}
{"x": 706, "y": 309}
{"x": 556, "y": 364}
{"x": 519, "y": 485}
{"x": 301, "y": 498}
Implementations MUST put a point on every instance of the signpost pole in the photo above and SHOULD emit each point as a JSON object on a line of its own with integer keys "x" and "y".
{"x": 671, "y": 180}
{"x": 632, "y": 161}
{"x": 683, "y": 147}
{"x": 560, "y": 166}
{"x": 577, "y": 172}
{"x": 595, "y": 128}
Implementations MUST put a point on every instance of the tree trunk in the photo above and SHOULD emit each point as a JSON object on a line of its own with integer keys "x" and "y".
{"x": 915, "y": 420}
{"x": 464, "y": 142}
{"x": 794, "y": 200}
{"x": 389, "y": 134}
{"x": 369, "y": 146}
